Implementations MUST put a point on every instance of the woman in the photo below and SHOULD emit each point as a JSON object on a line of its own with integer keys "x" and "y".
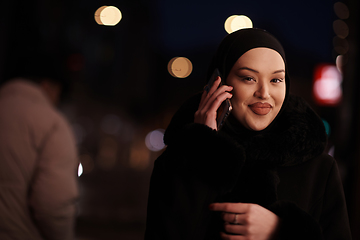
{"x": 264, "y": 174}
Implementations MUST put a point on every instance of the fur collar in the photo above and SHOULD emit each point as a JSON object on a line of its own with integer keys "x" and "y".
{"x": 243, "y": 169}
{"x": 299, "y": 134}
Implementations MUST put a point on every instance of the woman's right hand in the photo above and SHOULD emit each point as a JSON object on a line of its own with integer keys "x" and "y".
{"x": 210, "y": 103}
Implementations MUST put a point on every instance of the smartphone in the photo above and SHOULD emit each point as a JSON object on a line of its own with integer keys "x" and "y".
{"x": 225, "y": 108}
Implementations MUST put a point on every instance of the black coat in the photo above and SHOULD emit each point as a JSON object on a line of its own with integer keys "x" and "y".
{"x": 284, "y": 170}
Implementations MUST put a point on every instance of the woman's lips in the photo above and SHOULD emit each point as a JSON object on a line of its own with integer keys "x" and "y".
{"x": 260, "y": 108}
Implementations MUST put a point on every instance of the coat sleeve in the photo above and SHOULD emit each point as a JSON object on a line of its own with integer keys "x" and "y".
{"x": 295, "y": 223}
{"x": 333, "y": 223}
{"x": 54, "y": 186}
{"x": 186, "y": 178}
{"x": 176, "y": 204}
{"x": 334, "y": 219}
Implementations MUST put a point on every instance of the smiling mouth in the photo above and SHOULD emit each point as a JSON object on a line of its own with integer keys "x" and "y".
{"x": 260, "y": 108}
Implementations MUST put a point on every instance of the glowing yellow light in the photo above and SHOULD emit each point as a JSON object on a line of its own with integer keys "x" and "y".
{"x": 97, "y": 15}
{"x": 108, "y": 15}
{"x": 180, "y": 67}
{"x": 237, "y": 22}
{"x": 227, "y": 24}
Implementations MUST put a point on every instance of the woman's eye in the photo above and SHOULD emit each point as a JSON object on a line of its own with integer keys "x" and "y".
{"x": 248, "y": 79}
{"x": 277, "y": 80}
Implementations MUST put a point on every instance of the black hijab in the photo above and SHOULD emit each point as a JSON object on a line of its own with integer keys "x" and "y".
{"x": 232, "y": 47}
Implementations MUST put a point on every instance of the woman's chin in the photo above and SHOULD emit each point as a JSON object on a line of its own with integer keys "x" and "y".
{"x": 258, "y": 126}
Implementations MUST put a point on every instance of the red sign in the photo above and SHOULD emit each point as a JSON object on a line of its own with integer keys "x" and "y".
{"x": 327, "y": 90}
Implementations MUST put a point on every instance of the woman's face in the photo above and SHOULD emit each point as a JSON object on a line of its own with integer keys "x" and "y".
{"x": 258, "y": 79}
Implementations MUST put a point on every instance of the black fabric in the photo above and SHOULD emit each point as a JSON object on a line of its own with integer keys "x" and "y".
{"x": 296, "y": 223}
{"x": 298, "y": 128}
{"x": 201, "y": 166}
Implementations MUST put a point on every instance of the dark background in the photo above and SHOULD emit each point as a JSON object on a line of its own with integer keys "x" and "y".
{"x": 119, "y": 88}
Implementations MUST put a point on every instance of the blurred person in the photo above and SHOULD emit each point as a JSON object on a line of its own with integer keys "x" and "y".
{"x": 264, "y": 174}
{"x": 38, "y": 158}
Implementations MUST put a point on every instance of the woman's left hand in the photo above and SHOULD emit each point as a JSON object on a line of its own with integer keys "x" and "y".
{"x": 248, "y": 221}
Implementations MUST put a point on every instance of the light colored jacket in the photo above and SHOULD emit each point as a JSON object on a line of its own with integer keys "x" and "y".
{"x": 38, "y": 162}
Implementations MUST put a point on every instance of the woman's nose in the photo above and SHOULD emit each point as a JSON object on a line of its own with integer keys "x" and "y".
{"x": 262, "y": 92}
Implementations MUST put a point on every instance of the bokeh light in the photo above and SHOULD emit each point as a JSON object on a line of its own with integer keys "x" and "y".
{"x": 237, "y": 22}
{"x": 341, "y": 29}
{"x": 227, "y": 24}
{"x": 108, "y": 15}
{"x": 327, "y": 87}
{"x": 180, "y": 67}
{"x": 154, "y": 140}
{"x": 80, "y": 170}
{"x": 341, "y": 46}
{"x": 341, "y": 10}
{"x": 327, "y": 127}
{"x": 340, "y": 63}
{"x": 97, "y": 15}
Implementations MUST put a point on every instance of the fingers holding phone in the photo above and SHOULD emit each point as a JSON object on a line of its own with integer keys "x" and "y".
{"x": 214, "y": 106}
{"x": 209, "y": 91}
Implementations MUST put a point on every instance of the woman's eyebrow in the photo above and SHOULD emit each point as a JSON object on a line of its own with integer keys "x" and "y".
{"x": 250, "y": 69}
{"x": 253, "y": 70}
{"x": 279, "y": 71}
